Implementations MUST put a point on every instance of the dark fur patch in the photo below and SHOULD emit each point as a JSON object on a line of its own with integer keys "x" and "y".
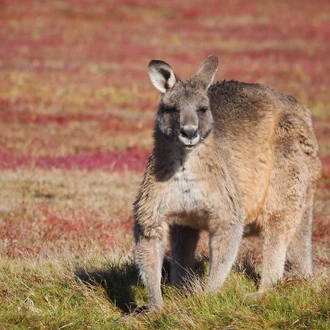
{"x": 167, "y": 75}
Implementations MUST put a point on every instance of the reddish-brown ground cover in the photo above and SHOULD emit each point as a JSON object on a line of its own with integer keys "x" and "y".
{"x": 76, "y": 101}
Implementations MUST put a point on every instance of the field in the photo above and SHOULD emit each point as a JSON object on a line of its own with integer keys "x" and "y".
{"x": 76, "y": 116}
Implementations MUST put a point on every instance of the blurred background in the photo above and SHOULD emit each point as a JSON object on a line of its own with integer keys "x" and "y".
{"x": 75, "y": 95}
{"x": 74, "y": 81}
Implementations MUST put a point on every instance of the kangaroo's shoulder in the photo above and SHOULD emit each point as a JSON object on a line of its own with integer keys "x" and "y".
{"x": 226, "y": 89}
{"x": 237, "y": 93}
{"x": 240, "y": 101}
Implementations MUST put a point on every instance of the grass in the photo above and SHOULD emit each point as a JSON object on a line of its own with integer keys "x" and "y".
{"x": 96, "y": 292}
{"x": 44, "y": 212}
{"x": 76, "y": 116}
{"x": 46, "y": 294}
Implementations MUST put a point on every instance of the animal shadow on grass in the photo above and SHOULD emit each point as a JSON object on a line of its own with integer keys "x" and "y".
{"x": 246, "y": 266}
{"x": 119, "y": 281}
{"x": 116, "y": 280}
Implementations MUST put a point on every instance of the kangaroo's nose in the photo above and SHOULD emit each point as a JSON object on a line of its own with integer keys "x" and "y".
{"x": 189, "y": 132}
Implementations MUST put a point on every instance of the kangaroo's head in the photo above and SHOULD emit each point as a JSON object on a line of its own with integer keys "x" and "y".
{"x": 184, "y": 115}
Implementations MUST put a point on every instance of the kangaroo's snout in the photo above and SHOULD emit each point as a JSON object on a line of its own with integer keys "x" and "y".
{"x": 189, "y": 132}
{"x": 189, "y": 135}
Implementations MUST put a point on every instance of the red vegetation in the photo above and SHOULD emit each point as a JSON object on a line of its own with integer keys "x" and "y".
{"x": 132, "y": 159}
{"x": 51, "y": 231}
{"x": 75, "y": 92}
{"x": 321, "y": 231}
{"x": 21, "y": 114}
{"x": 326, "y": 166}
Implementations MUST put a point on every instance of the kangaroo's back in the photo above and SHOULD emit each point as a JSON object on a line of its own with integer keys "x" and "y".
{"x": 235, "y": 103}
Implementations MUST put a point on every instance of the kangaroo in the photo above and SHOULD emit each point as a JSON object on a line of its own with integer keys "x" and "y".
{"x": 226, "y": 156}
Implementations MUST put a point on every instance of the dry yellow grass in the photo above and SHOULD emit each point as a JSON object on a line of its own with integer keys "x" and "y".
{"x": 65, "y": 210}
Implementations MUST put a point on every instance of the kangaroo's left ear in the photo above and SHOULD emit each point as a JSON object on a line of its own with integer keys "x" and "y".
{"x": 162, "y": 76}
{"x": 207, "y": 70}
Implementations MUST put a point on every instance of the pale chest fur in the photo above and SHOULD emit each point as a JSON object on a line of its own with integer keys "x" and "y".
{"x": 187, "y": 197}
{"x": 188, "y": 190}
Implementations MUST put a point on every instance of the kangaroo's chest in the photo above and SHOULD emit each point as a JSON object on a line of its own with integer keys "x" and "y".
{"x": 188, "y": 189}
{"x": 188, "y": 200}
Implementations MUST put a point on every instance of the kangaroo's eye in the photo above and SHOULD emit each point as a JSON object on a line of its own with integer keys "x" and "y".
{"x": 202, "y": 109}
{"x": 170, "y": 109}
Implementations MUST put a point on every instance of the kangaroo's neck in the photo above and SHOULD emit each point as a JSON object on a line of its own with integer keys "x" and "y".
{"x": 170, "y": 157}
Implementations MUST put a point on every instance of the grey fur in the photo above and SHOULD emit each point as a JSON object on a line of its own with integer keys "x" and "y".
{"x": 225, "y": 156}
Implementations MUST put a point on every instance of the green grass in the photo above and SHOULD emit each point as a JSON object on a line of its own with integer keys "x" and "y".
{"x": 97, "y": 291}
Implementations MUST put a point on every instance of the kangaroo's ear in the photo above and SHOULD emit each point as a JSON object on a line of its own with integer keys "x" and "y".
{"x": 161, "y": 75}
{"x": 207, "y": 70}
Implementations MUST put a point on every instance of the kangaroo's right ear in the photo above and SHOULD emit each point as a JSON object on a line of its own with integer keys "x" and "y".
{"x": 207, "y": 70}
{"x": 162, "y": 76}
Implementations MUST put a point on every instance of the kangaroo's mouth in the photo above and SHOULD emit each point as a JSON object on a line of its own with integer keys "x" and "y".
{"x": 189, "y": 143}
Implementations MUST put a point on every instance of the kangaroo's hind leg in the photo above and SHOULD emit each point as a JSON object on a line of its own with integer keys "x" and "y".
{"x": 299, "y": 258}
{"x": 224, "y": 245}
{"x": 287, "y": 215}
{"x": 286, "y": 219}
{"x": 183, "y": 245}
{"x": 277, "y": 234}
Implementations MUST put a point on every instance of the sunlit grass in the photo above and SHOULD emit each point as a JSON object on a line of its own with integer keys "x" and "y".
{"x": 97, "y": 290}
